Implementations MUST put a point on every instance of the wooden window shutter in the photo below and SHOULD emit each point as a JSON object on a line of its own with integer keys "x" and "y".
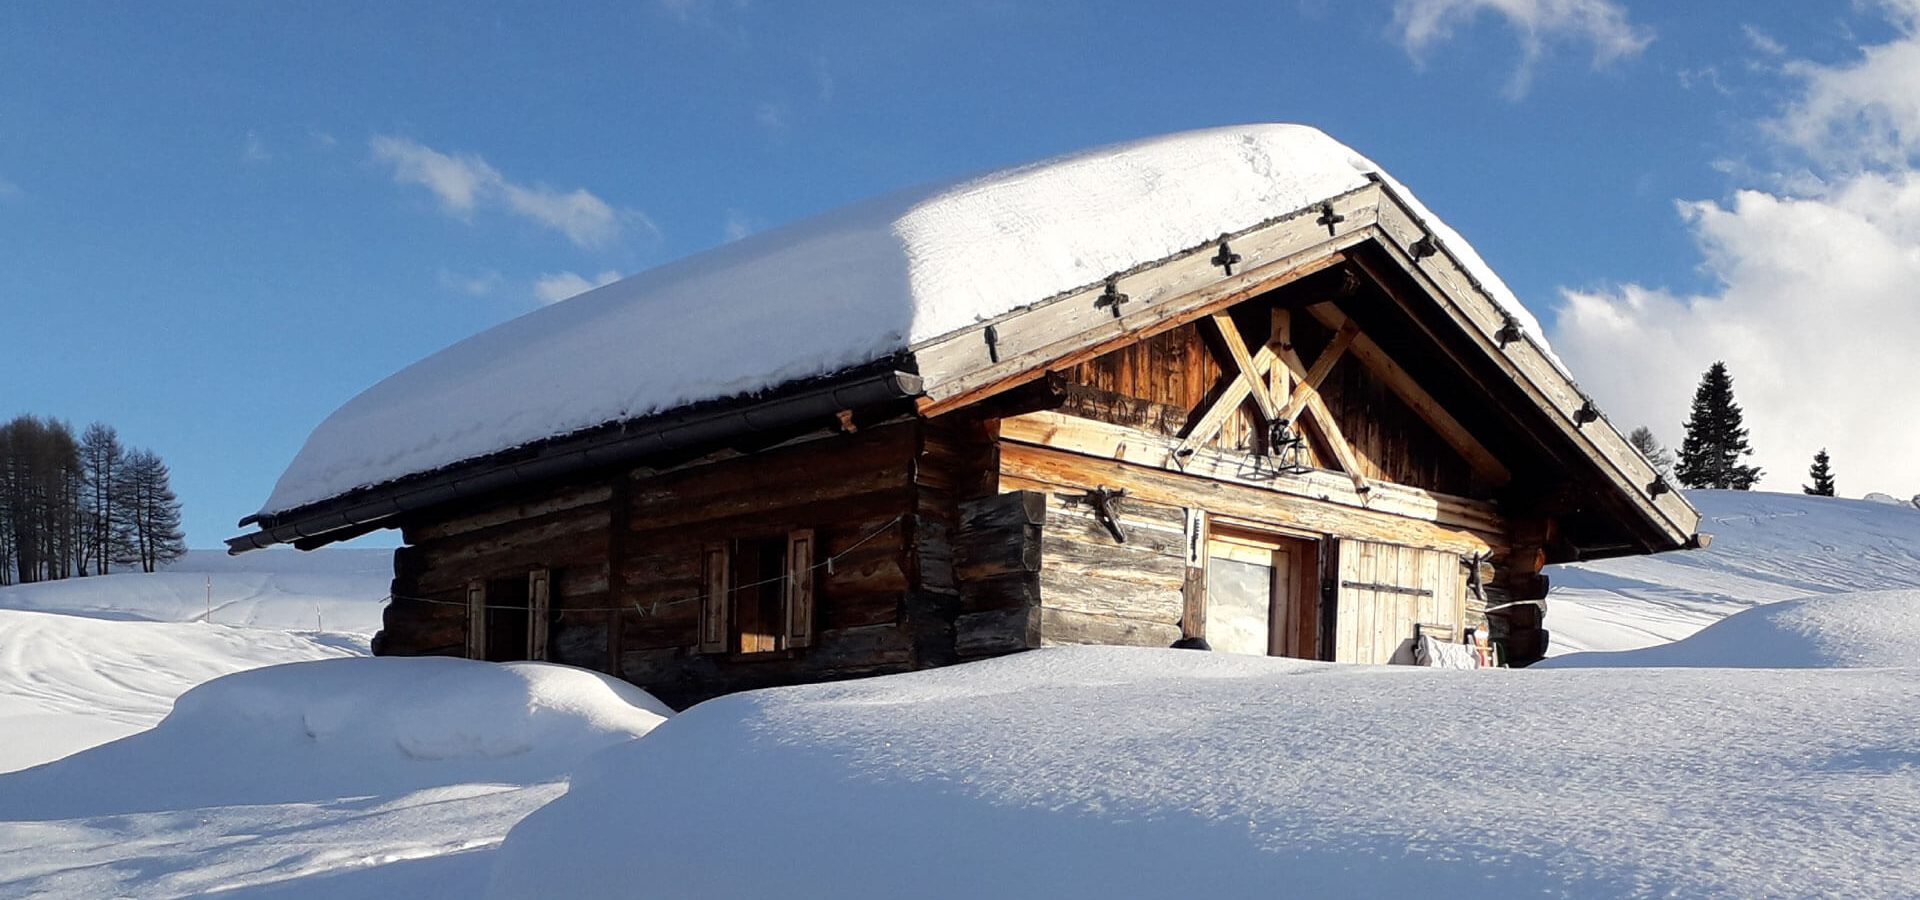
{"x": 716, "y": 588}
{"x": 477, "y": 619}
{"x": 799, "y": 588}
{"x": 538, "y": 591}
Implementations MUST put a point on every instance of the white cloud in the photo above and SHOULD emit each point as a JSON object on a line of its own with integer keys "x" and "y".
{"x": 1865, "y": 113}
{"x": 1763, "y": 41}
{"x": 561, "y": 285}
{"x": 464, "y": 183}
{"x": 1815, "y": 312}
{"x": 585, "y": 219}
{"x": 1421, "y": 24}
{"x": 8, "y": 189}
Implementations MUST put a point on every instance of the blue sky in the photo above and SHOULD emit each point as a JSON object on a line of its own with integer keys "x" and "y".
{"x": 219, "y": 221}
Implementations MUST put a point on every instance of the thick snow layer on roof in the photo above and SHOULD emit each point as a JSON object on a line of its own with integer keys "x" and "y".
{"x": 839, "y": 290}
{"x": 1117, "y": 772}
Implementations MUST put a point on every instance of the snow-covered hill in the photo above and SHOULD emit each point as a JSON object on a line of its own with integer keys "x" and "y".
{"x": 1766, "y": 548}
{"x": 334, "y": 590}
{"x": 88, "y": 660}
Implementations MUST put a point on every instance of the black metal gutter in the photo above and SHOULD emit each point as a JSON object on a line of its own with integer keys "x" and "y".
{"x": 352, "y": 514}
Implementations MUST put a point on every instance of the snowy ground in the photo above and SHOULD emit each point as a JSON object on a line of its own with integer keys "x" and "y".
{"x": 348, "y": 777}
{"x": 1120, "y": 772}
{"x": 1775, "y": 753}
{"x": 1766, "y": 548}
{"x": 87, "y": 660}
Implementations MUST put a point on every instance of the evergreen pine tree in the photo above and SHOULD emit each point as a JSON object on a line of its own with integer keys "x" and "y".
{"x": 1650, "y": 447}
{"x": 1716, "y": 440}
{"x": 1822, "y": 475}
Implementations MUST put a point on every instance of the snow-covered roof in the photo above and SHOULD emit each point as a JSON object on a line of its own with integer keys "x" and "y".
{"x": 846, "y": 288}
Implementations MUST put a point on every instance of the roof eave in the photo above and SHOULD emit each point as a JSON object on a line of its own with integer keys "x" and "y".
{"x": 366, "y": 509}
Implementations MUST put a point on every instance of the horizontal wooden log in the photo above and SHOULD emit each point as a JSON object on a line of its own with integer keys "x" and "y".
{"x": 578, "y": 641}
{"x": 1143, "y": 535}
{"x": 511, "y": 513}
{"x": 1000, "y": 592}
{"x": 1003, "y": 510}
{"x": 1114, "y": 442}
{"x": 1023, "y": 464}
{"x": 1060, "y": 626}
{"x": 996, "y": 632}
{"x": 1157, "y": 602}
{"x": 986, "y": 555}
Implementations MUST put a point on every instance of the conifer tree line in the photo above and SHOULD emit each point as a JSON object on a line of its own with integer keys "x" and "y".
{"x": 72, "y": 506}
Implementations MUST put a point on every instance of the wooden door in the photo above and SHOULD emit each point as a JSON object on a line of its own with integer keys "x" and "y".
{"x": 1387, "y": 590}
{"x": 1261, "y": 595}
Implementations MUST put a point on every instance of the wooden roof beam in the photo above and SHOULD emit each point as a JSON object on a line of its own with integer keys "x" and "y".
{"x": 1423, "y": 404}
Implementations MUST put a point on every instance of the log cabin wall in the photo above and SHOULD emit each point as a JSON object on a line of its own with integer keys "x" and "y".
{"x": 565, "y": 530}
{"x": 625, "y": 557}
{"x": 856, "y": 492}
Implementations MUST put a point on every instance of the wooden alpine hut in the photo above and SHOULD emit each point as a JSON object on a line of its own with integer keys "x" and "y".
{"x": 1234, "y": 384}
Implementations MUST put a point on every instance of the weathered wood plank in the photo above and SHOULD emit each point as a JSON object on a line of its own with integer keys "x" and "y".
{"x": 1061, "y": 626}
{"x": 1085, "y": 436}
{"x": 522, "y": 511}
{"x": 1059, "y": 469}
{"x": 996, "y": 632}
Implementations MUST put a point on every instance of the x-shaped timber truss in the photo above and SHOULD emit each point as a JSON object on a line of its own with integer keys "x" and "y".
{"x": 1273, "y": 372}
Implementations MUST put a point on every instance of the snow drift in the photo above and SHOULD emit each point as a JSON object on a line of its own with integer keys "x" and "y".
{"x": 87, "y": 660}
{"x": 347, "y": 727}
{"x": 69, "y": 682}
{"x": 843, "y": 289}
{"x": 334, "y": 590}
{"x": 1845, "y": 631}
{"x": 1110, "y": 772}
{"x": 1766, "y": 548}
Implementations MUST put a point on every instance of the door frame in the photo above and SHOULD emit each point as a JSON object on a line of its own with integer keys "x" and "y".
{"x": 1294, "y": 607}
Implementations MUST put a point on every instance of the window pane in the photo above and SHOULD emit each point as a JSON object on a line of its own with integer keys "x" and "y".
{"x": 1239, "y": 597}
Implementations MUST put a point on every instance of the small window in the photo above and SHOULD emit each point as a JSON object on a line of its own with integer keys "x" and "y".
{"x": 759, "y": 594}
{"x": 507, "y": 617}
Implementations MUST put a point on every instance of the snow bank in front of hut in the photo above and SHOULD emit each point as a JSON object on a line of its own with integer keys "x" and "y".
{"x": 345, "y": 727}
{"x": 838, "y": 290}
{"x": 1766, "y": 547}
{"x": 1111, "y": 772}
{"x": 1840, "y": 631}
